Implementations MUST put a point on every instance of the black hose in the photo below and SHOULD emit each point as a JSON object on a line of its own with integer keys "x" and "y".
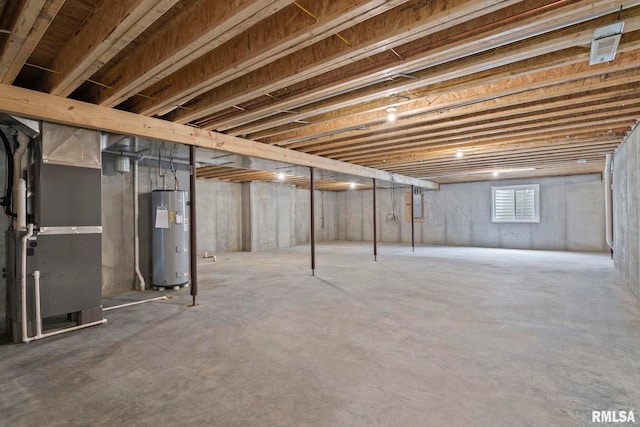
{"x": 8, "y": 192}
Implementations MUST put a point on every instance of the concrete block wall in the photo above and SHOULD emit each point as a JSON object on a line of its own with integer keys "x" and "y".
{"x": 219, "y": 207}
{"x": 277, "y": 216}
{"x": 268, "y": 216}
{"x": 326, "y": 215}
{"x": 626, "y": 210}
{"x": 572, "y": 216}
{"x": 117, "y": 229}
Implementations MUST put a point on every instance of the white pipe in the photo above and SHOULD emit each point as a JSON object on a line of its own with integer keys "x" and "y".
{"x": 129, "y": 304}
{"x": 23, "y": 282}
{"x": 608, "y": 202}
{"x": 23, "y": 141}
{"x": 20, "y": 203}
{"x": 136, "y": 237}
{"x": 39, "y": 334}
{"x": 36, "y": 293}
{"x": 69, "y": 329}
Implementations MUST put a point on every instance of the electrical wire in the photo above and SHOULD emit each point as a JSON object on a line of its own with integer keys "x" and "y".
{"x": 174, "y": 171}
{"x": 6, "y": 201}
{"x": 392, "y": 218}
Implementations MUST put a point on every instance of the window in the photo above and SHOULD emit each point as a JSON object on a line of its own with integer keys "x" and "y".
{"x": 515, "y": 203}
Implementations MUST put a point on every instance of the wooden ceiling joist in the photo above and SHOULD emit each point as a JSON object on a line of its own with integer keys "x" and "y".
{"x": 411, "y": 21}
{"x": 550, "y": 82}
{"x": 549, "y": 50}
{"x": 470, "y": 114}
{"x": 278, "y": 35}
{"x": 193, "y": 33}
{"x": 111, "y": 27}
{"x": 309, "y": 82}
{"x": 478, "y": 123}
{"x": 31, "y": 22}
{"x": 447, "y": 47}
{"x": 591, "y": 121}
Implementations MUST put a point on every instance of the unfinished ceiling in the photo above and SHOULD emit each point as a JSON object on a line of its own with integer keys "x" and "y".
{"x": 479, "y": 88}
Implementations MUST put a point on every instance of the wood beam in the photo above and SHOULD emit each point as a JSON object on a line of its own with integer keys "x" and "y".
{"x": 38, "y": 105}
{"x": 275, "y": 37}
{"x": 191, "y": 34}
{"x": 31, "y": 23}
{"x": 408, "y": 22}
{"x": 111, "y": 27}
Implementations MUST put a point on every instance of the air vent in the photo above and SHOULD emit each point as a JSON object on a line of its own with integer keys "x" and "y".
{"x": 605, "y": 43}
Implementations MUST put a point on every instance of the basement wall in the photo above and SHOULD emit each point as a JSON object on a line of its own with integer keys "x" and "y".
{"x": 571, "y": 211}
{"x": 277, "y": 216}
{"x": 626, "y": 211}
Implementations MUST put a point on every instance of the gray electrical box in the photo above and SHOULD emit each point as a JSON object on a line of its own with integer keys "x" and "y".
{"x": 418, "y": 211}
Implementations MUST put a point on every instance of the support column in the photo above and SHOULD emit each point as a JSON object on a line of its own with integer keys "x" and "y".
{"x": 413, "y": 236}
{"x": 375, "y": 225}
{"x": 192, "y": 224}
{"x": 312, "y": 231}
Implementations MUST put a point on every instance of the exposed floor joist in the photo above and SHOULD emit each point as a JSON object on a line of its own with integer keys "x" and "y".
{"x": 316, "y": 77}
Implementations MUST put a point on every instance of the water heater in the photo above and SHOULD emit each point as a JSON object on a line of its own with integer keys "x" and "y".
{"x": 170, "y": 238}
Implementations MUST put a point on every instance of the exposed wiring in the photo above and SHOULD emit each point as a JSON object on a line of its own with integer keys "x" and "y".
{"x": 161, "y": 173}
{"x": 392, "y": 217}
{"x": 176, "y": 183}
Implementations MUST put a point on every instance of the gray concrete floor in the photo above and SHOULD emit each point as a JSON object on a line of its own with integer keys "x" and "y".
{"x": 442, "y": 336}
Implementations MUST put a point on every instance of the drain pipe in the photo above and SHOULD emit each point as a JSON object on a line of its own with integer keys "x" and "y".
{"x": 136, "y": 231}
{"x": 22, "y": 140}
{"x": 36, "y": 297}
{"x": 19, "y": 184}
{"x": 608, "y": 203}
{"x": 23, "y": 282}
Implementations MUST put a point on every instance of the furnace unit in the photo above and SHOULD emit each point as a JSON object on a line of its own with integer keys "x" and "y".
{"x": 54, "y": 253}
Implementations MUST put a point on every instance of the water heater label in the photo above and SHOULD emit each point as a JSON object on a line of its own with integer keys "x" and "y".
{"x": 162, "y": 218}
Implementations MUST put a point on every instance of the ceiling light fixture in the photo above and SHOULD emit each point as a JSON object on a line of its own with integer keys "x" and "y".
{"x": 352, "y": 186}
{"x": 496, "y": 174}
{"x": 459, "y": 153}
{"x": 281, "y": 176}
{"x": 391, "y": 114}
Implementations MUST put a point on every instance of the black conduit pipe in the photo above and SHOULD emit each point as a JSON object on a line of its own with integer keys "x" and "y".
{"x": 8, "y": 193}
